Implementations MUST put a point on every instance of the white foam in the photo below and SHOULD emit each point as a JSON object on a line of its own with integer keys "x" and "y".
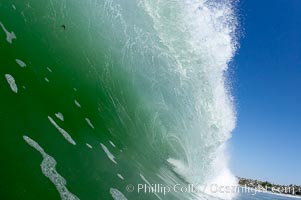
{"x": 120, "y": 176}
{"x": 112, "y": 143}
{"x": 20, "y": 63}
{"x": 89, "y": 146}
{"x": 225, "y": 177}
{"x": 48, "y": 167}
{"x": 9, "y": 35}
{"x": 89, "y": 122}
{"x": 108, "y": 153}
{"x": 59, "y": 116}
{"x": 179, "y": 167}
{"x": 117, "y": 195}
{"x": 12, "y": 83}
{"x": 14, "y": 7}
{"x": 62, "y": 131}
{"x": 46, "y": 79}
{"x": 77, "y": 103}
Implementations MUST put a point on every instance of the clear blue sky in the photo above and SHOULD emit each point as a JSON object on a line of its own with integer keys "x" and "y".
{"x": 266, "y": 144}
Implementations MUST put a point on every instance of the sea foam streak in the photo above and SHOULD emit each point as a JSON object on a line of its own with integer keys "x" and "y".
{"x": 108, "y": 153}
{"x": 89, "y": 123}
{"x": 62, "y": 131}
{"x": 12, "y": 83}
{"x": 48, "y": 168}
{"x": 10, "y": 36}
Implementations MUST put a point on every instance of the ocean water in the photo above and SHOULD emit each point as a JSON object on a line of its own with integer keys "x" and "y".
{"x": 101, "y": 97}
{"x": 264, "y": 196}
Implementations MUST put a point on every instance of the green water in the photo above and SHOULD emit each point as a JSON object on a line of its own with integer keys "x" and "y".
{"x": 126, "y": 75}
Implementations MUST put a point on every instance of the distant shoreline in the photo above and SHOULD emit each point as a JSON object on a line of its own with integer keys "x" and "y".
{"x": 267, "y": 187}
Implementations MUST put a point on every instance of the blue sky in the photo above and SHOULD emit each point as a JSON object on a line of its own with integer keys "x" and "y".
{"x": 266, "y": 143}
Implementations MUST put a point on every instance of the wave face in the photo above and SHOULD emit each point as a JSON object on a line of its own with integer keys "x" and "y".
{"x": 140, "y": 87}
{"x": 198, "y": 36}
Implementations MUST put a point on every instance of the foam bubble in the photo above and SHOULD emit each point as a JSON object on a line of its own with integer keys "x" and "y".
{"x": 48, "y": 167}
{"x": 12, "y": 83}
{"x": 108, "y": 153}
{"x": 59, "y": 116}
{"x": 77, "y": 103}
{"x": 89, "y": 146}
{"x": 117, "y": 195}
{"x": 20, "y": 63}
{"x": 62, "y": 131}
{"x": 120, "y": 176}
